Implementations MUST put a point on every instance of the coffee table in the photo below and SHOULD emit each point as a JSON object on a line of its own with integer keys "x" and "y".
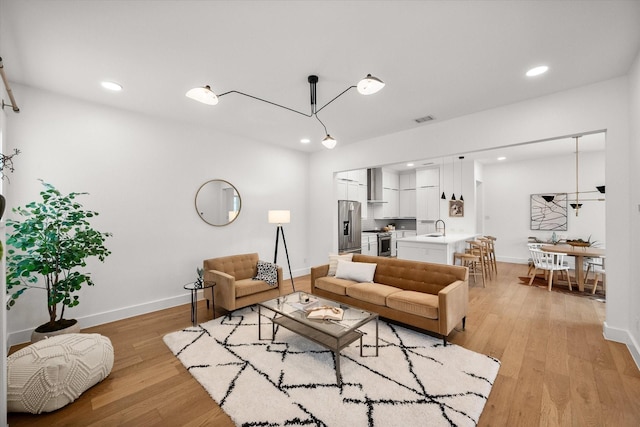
{"x": 331, "y": 334}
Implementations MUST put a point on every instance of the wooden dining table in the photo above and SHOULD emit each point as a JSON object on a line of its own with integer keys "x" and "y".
{"x": 579, "y": 252}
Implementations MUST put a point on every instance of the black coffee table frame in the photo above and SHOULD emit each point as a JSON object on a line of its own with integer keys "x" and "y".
{"x": 331, "y": 334}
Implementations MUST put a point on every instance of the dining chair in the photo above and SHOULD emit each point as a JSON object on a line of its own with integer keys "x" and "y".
{"x": 597, "y": 266}
{"x": 549, "y": 262}
{"x": 530, "y": 260}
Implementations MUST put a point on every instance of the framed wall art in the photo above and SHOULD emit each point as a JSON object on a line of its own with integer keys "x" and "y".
{"x": 549, "y": 211}
{"x": 456, "y": 207}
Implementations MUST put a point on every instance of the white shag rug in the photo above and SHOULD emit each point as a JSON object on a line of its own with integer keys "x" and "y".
{"x": 414, "y": 381}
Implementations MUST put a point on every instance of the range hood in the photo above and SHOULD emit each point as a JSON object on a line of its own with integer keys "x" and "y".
{"x": 374, "y": 186}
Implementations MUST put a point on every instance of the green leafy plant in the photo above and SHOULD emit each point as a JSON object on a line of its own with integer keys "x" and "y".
{"x": 47, "y": 248}
{"x": 200, "y": 279}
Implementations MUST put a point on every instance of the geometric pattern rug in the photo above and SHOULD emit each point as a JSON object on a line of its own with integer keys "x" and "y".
{"x": 414, "y": 381}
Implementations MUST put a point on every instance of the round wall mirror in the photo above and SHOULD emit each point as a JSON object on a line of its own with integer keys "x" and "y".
{"x": 218, "y": 202}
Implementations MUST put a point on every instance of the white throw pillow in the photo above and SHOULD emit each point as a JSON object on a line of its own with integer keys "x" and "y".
{"x": 359, "y": 271}
{"x": 333, "y": 262}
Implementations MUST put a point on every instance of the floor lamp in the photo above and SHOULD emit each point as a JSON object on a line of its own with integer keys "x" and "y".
{"x": 281, "y": 217}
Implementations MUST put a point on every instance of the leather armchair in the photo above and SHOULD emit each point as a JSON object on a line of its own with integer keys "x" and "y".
{"x": 235, "y": 287}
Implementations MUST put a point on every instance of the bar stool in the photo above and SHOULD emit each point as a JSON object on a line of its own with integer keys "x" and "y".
{"x": 475, "y": 266}
{"x": 457, "y": 256}
{"x": 491, "y": 246}
{"x": 479, "y": 247}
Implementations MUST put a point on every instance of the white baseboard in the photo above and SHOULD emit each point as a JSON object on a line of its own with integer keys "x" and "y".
{"x": 296, "y": 273}
{"x": 623, "y": 336}
{"x": 23, "y": 336}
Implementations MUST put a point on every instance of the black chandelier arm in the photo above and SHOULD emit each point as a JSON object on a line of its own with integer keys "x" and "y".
{"x": 268, "y": 102}
{"x": 325, "y": 128}
{"x": 338, "y": 96}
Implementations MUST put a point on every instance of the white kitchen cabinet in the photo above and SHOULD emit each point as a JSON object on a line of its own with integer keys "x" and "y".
{"x": 354, "y": 175}
{"x": 391, "y": 208}
{"x": 428, "y": 194}
{"x": 352, "y": 185}
{"x": 369, "y": 244}
{"x": 407, "y": 201}
{"x": 399, "y": 234}
{"x": 408, "y": 181}
{"x": 394, "y": 239}
{"x": 428, "y": 203}
{"x": 348, "y": 190}
{"x": 428, "y": 177}
{"x": 390, "y": 179}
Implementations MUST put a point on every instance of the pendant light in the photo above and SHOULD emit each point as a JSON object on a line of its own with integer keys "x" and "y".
{"x": 443, "y": 197}
{"x": 461, "y": 158}
{"x": 453, "y": 179}
{"x": 577, "y": 205}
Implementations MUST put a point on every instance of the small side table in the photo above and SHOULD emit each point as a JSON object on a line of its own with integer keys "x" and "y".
{"x": 194, "y": 287}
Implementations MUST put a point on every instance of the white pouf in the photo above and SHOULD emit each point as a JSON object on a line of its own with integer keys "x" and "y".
{"x": 52, "y": 373}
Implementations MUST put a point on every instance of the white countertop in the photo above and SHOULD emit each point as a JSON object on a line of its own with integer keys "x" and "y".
{"x": 443, "y": 240}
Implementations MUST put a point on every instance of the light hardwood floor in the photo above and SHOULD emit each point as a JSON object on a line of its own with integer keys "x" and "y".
{"x": 557, "y": 369}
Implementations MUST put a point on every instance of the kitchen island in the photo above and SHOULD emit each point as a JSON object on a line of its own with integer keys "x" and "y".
{"x": 433, "y": 247}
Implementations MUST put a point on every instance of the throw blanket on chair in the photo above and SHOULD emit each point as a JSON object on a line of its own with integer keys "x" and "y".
{"x": 268, "y": 272}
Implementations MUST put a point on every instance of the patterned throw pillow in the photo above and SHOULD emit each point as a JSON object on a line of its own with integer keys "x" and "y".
{"x": 268, "y": 272}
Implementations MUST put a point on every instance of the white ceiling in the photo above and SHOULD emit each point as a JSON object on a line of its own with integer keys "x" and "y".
{"x": 438, "y": 58}
{"x": 517, "y": 152}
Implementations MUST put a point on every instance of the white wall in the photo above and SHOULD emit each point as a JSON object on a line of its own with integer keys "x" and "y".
{"x": 602, "y": 106}
{"x": 142, "y": 174}
{"x": 633, "y": 298}
{"x": 507, "y": 189}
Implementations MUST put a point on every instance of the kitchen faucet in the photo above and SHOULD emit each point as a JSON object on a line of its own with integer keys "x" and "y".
{"x": 444, "y": 227}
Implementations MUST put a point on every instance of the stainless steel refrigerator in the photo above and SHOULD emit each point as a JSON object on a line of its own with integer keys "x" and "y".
{"x": 349, "y": 226}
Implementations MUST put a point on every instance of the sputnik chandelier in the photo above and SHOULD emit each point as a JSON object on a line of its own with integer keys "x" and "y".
{"x": 367, "y": 86}
{"x": 577, "y": 201}
{"x": 576, "y": 205}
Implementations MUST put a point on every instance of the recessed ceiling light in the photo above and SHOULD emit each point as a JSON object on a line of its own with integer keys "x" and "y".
{"x": 305, "y": 140}
{"x": 111, "y": 86}
{"x": 536, "y": 71}
{"x": 409, "y": 165}
{"x": 502, "y": 158}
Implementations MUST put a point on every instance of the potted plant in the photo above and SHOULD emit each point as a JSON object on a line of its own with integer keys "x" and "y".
{"x": 47, "y": 249}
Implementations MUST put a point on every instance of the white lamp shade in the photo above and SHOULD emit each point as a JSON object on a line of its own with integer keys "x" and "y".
{"x": 279, "y": 217}
{"x": 329, "y": 142}
{"x": 203, "y": 94}
{"x": 370, "y": 85}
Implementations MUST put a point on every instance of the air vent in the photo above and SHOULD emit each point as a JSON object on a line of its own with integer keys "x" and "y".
{"x": 424, "y": 119}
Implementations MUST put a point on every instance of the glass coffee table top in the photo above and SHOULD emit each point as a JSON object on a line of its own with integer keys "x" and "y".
{"x": 290, "y": 306}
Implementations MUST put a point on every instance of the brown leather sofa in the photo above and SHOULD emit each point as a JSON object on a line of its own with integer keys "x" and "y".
{"x": 433, "y": 297}
{"x": 235, "y": 287}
